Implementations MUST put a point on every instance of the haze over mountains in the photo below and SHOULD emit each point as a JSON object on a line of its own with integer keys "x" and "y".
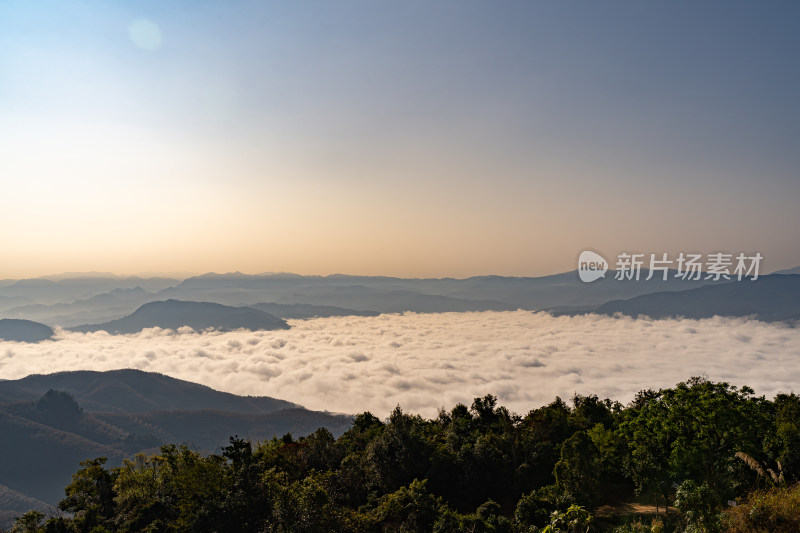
{"x": 770, "y": 298}
{"x": 51, "y": 422}
{"x": 74, "y": 302}
{"x": 67, "y": 290}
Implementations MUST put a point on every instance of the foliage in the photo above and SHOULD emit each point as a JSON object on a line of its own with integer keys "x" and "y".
{"x": 576, "y": 470}
{"x": 693, "y": 431}
{"x": 656, "y": 526}
{"x": 699, "y": 506}
{"x": 472, "y": 469}
{"x": 775, "y": 510}
{"x": 574, "y": 520}
{"x": 90, "y": 496}
{"x": 28, "y": 522}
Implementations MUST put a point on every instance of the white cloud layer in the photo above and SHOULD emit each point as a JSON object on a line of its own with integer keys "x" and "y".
{"x": 426, "y": 361}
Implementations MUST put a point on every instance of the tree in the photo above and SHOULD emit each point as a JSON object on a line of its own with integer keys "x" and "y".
{"x": 588, "y": 411}
{"x": 785, "y": 446}
{"x": 400, "y": 453}
{"x": 699, "y": 506}
{"x": 408, "y": 509}
{"x": 576, "y": 470}
{"x": 533, "y": 509}
{"x": 539, "y": 438}
{"x": 575, "y": 519}
{"x": 245, "y": 504}
{"x": 693, "y": 431}
{"x": 28, "y": 522}
{"x": 90, "y": 496}
{"x": 58, "y": 524}
{"x": 176, "y": 486}
{"x": 305, "y": 506}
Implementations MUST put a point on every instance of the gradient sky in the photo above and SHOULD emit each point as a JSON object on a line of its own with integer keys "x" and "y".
{"x": 409, "y": 138}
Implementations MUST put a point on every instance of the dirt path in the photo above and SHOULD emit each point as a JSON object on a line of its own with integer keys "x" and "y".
{"x": 631, "y": 508}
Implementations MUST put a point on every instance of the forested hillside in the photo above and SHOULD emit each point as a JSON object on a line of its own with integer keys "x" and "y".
{"x": 697, "y": 447}
{"x": 49, "y": 423}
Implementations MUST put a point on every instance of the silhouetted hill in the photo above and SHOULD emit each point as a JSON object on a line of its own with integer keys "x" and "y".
{"x": 49, "y": 423}
{"x": 309, "y": 311}
{"x": 12, "y": 329}
{"x": 174, "y": 314}
{"x": 769, "y": 298}
{"x": 134, "y": 391}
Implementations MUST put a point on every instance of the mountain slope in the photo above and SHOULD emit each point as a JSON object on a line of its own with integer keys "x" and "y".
{"x": 14, "y": 504}
{"x": 208, "y": 429}
{"x": 769, "y": 298}
{"x": 135, "y": 391}
{"x": 789, "y": 271}
{"x": 174, "y": 314}
{"x": 116, "y": 414}
{"x": 44, "y": 456}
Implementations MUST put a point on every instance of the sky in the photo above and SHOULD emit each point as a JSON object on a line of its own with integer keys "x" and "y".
{"x": 424, "y": 362}
{"x": 421, "y": 139}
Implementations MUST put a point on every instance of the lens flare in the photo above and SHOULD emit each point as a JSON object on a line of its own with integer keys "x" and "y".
{"x": 145, "y": 34}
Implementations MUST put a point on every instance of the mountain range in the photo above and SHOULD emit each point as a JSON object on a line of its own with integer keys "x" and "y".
{"x": 49, "y": 423}
{"x": 769, "y": 298}
{"x": 100, "y": 298}
{"x": 232, "y": 301}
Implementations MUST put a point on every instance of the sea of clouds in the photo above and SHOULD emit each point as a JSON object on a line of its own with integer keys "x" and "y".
{"x": 426, "y": 361}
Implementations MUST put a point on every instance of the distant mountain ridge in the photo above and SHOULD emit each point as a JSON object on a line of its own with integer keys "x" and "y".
{"x": 99, "y": 308}
{"x": 46, "y": 291}
{"x": 98, "y": 300}
{"x": 770, "y": 298}
{"x": 174, "y": 314}
{"x": 300, "y": 311}
{"x": 390, "y": 295}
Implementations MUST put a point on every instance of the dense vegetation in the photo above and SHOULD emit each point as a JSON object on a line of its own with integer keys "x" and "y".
{"x": 696, "y": 447}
